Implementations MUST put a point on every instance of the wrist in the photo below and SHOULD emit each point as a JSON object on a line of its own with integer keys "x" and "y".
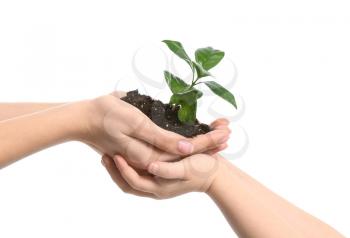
{"x": 95, "y": 113}
{"x": 221, "y": 176}
{"x": 77, "y": 120}
{"x": 90, "y": 120}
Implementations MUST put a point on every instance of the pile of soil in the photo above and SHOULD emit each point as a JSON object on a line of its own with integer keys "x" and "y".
{"x": 164, "y": 115}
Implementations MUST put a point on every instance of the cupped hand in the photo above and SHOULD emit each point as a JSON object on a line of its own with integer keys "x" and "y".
{"x": 116, "y": 127}
{"x": 195, "y": 173}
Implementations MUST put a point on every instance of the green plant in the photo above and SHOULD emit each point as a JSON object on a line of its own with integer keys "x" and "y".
{"x": 186, "y": 95}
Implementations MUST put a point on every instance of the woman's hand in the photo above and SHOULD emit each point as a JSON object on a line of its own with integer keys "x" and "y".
{"x": 116, "y": 127}
{"x": 107, "y": 124}
{"x": 165, "y": 180}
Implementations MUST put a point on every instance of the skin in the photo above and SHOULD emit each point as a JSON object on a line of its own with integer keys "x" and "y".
{"x": 107, "y": 124}
{"x": 251, "y": 209}
{"x": 11, "y": 110}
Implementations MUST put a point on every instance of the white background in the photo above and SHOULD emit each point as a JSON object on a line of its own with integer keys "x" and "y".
{"x": 293, "y": 62}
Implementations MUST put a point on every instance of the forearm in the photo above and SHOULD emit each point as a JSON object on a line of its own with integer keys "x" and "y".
{"x": 300, "y": 220}
{"x": 24, "y": 135}
{"x": 245, "y": 212}
{"x": 255, "y": 211}
{"x": 11, "y": 110}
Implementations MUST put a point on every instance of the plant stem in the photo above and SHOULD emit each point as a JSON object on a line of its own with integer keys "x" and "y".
{"x": 194, "y": 83}
{"x": 192, "y": 77}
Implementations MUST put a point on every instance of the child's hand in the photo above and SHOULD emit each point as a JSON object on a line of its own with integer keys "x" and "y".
{"x": 192, "y": 174}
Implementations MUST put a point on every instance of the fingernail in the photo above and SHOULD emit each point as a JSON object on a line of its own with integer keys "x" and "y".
{"x": 153, "y": 168}
{"x": 103, "y": 163}
{"x": 185, "y": 147}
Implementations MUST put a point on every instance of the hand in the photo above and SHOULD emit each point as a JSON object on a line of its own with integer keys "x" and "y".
{"x": 192, "y": 174}
{"x": 116, "y": 127}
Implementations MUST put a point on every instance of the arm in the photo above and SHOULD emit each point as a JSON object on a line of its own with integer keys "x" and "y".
{"x": 11, "y": 110}
{"x": 30, "y": 133}
{"x": 255, "y": 211}
{"x": 251, "y": 209}
{"x": 107, "y": 124}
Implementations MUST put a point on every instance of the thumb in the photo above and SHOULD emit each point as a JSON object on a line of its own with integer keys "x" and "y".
{"x": 168, "y": 170}
{"x": 164, "y": 140}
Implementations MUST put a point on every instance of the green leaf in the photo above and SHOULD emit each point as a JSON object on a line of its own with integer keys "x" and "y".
{"x": 209, "y": 57}
{"x": 201, "y": 72}
{"x": 187, "y": 97}
{"x": 222, "y": 92}
{"x": 179, "y": 50}
{"x": 175, "y": 84}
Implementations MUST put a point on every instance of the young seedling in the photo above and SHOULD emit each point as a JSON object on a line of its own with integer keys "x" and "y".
{"x": 186, "y": 95}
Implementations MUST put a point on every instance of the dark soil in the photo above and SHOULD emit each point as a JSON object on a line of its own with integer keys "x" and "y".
{"x": 164, "y": 115}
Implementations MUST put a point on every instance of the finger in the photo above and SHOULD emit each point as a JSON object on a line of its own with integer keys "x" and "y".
{"x": 140, "y": 183}
{"x": 168, "y": 170}
{"x": 113, "y": 171}
{"x": 219, "y": 121}
{"x": 220, "y": 124}
{"x": 217, "y": 149}
{"x": 226, "y": 128}
{"x": 163, "y": 188}
{"x": 165, "y": 140}
{"x": 140, "y": 154}
{"x": 209, "y": 141}
{"x": 222, "y": 127}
